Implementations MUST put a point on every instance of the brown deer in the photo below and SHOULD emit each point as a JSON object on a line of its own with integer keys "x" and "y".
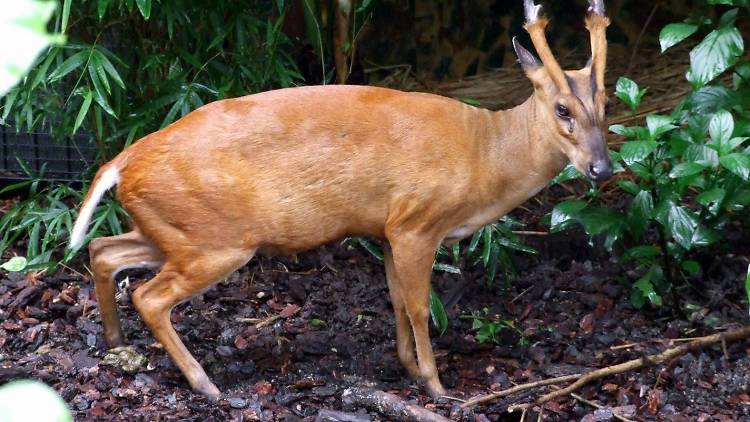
{"x": 288, "y": 170}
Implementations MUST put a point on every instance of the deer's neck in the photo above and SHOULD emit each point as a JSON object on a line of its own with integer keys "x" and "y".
{"x": 521, "y": 153}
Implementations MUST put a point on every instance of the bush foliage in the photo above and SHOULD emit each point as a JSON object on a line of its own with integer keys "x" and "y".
{"x": 687, "y": 172}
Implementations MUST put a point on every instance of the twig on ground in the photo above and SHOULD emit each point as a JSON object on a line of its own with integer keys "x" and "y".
{"x": 634, "y": 364}
{"x": 389, "y": 405}
{"x": 517, "y": 388}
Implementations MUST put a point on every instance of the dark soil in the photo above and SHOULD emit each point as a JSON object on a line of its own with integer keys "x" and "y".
{"x": 284, "y": 337}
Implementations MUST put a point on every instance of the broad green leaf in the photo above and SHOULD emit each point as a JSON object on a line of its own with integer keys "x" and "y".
{"x": 437, "y": 311}
{"x": 738, "y": 164}
{"x": 645, "y": 286}
{"x": 598, "y": 220}
{"x": 15, "y": 264}
{"x": 88, "y": 97}
{"x": 564, "y": 212}
{"x": 701, "y": 154}
{"x": 144, "y": 6}
{"x": 674, "y": 33}
{"x": 628, "y": 186}
{"x": 635, "y": 151}
{"x": 568, "y": 173}
{"x": 642, "y": 252}
{"x": 686, "y": 169}
{"x": 714, "y": 55}
{"x": 640, "y": 212}
{"x": 703, "y": 236}
{"x": 720, "y": 128}
{"x": 710, "y": 99}
{"x": 626, "y": 131}
{"x": 691, "y": 267}
{"x": 682, "y": 224}
{"x": 629, "y": 92}
{"x": 658, "y": 125}
{"x": 712, "y": 199}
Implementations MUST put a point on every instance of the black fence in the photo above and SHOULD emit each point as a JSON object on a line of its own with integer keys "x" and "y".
{"x": 66, "y": 159}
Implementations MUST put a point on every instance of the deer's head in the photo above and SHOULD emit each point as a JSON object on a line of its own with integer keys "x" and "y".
{"x": 571, "y": 103}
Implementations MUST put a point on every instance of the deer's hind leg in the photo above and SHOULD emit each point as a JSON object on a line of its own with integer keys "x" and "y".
{"x": 185, "y": 274}
{"x": 109, "y": 255}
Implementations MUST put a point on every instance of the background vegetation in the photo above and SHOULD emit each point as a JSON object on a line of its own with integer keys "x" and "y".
{"x": 130, "y": 67}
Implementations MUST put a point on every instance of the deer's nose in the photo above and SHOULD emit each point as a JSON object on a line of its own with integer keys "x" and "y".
{"x": 600, "y": 170}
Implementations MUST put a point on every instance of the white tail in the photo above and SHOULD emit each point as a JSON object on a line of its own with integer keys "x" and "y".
{"x": 109, "y": 178}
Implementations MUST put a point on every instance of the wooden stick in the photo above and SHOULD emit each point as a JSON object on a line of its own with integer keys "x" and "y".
{"x": 634, "y": 364}
{"x": 389, "y": 405}
{"x": 520, "y": 387}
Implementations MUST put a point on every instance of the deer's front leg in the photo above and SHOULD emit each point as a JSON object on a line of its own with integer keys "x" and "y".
{"x": 413, "y": 255}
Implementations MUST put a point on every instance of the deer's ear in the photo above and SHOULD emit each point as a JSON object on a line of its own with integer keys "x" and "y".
{"x": 528, "y": 60}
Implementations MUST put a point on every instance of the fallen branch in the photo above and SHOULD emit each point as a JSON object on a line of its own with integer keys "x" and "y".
{"x": 518, "y": 388}
{"x": 389, "y": 405}
{"x": 634, "y": 364}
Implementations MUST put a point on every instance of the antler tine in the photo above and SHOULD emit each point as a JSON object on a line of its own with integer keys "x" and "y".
{"x": 597, "y": 23}
{"x": 535, "y": 26}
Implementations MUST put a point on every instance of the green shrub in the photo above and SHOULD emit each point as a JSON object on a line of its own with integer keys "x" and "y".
{"x": 687, "y": 172}
{"x": 129, "y": 68}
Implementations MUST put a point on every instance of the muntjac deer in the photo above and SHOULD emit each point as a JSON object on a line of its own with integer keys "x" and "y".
{"x": 288, "y": 170}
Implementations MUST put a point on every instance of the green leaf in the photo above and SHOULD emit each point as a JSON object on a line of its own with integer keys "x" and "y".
{"x": 626, "y": 131}
{"x": 15, "y": 264}
{"x": 100, "y": 92}
{"x": 70, "y": 64}
{"x": 712, "y": 199}
{"x": 645, "y": 286}
{"x": 691, "y": 267}
{"x": 640, "y": 212}
{"x": 714, "y": 55}
{"x": 720, "y": 128}
{"x": 599, "y": 220}
{"x": 144, "y": 6}
{"x": 565, "y": 212}
{"x": 701, "y": 154}
{"x": 628, "y": 91}
{"x": 95, "y": 65}
{"x": 658, "y": 125}
{"x": 686, "y": 169}
{"x": 704, "y": 236}
{"x": 568, "y": 173}
{"x": 628, "y": 186}
{"x": 88, "y": 97}
{"x": 674, "y": 33}
{"x": 682, "y": 224}
{"x": 110, "y": 69}
{"x": 635, "y": 151}
{"x": 437, "y": 266}
{"x": 642, "y": 252}
{"x": 102, "y": 8}
{"x": 65, "y": 16}
{"x": 738, "y": 164}
{"x": 437, "y": 311}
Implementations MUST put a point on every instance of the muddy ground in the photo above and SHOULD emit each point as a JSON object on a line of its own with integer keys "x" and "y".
{"x": 284, "y": 337}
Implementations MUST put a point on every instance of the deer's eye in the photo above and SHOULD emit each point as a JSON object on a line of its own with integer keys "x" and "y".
{"x": 562, "y": 111}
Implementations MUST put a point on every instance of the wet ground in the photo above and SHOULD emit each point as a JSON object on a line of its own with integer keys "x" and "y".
{"x": 284, "y": 337}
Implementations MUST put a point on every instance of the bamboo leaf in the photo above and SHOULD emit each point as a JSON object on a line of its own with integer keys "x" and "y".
{"x": 88, "y": 97}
